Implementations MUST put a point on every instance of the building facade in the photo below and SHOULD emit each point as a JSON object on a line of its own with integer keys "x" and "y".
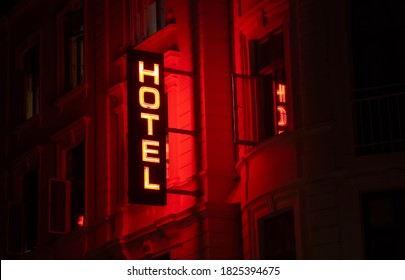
{"x": 279, "y": 124}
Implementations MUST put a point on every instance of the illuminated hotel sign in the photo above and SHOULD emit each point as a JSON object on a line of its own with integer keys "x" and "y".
{"x": 281, "y": 109}
{"x": 147, "y": 122}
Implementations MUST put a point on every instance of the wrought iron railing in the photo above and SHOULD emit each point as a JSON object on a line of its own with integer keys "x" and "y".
{"x": 379, "y": 120}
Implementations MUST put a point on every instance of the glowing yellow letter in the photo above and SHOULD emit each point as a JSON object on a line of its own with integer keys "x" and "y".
{"x": 146, "y": 183}
{"x": 154, "y": 73}
{"x": 146, "y": 151}
{"x": 146, "y": 105}
{"x": 150, "y": 118}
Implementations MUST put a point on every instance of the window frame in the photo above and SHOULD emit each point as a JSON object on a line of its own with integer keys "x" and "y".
{"x": 261, "y": 227}
{"x": 22, "y": 166}
{"x": 18, "y": 235}
{"x": 267, "y": 205}
{"x": 31, "y": 108}
{"x": 252, "y": 93}
{"x": 74, "y": 186}
{"x": 139, "y": 19}
{"x": 371, "y": 234}
{"x": 273, "y": 69}
{"x": 66, "y": 183}
{"x": 65, "y": 140}
{"x": 33, "y": 42}
{"x": 74, "y": 50}
{"x": 64, "y": 55}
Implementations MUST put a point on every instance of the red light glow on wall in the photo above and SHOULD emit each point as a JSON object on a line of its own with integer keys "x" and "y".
{"x": 80, "y": 221}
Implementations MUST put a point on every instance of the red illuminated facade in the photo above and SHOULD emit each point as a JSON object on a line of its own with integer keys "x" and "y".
{"x": 191, "y": 129}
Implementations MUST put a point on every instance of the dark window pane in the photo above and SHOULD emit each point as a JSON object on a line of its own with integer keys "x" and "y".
{"x": 384, "y": 224}
{"x": 76, "y": 174}
{"x": 74, "y": 49}
{"x": 30, "y": 201}
{"x": 15, "y": 228}
{"x": 57, "y": 206}
{"x": 278, "y": 237}
{"x": 267, "y": 107}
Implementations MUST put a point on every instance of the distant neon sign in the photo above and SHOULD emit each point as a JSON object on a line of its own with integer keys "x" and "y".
{"x": 147, "y": 122}
{"x": 281, "y": 109}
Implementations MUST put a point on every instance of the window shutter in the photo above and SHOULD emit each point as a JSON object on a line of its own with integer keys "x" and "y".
{"x": 58, "y": 209}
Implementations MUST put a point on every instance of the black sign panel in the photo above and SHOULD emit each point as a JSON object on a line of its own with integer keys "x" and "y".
{"x": 147, "y": 122}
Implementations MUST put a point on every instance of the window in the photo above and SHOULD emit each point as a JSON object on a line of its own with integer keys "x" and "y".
{"x": 58, "y": 211}
{"x": 67, "y": 196}
{"x": 378, "y": 76}
{"x": 75, "y": 173}
{"x": 384, "y": 224}
{"x": 67, "y": 192}
{"x": 148, "y": 17}
{"x": 261, "y": 99}
{"x": 278, "y": 237}
{"x": 30, "y": 203}
{"x": 268, "y": 64}
{"x": 74, "y": 49}
{"x": 15, "y": 228}
{"x": 23, "y": 217}
{"x": 31, "y": 82}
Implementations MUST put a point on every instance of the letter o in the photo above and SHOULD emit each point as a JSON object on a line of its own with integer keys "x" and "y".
{"x": 145, "y": 104}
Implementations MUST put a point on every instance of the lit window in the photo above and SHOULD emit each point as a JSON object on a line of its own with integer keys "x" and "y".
{"x": 261, "y": 99}
{"x": 74, "y": 49}
{"x": 31, "y": 82}
{"x": 268, "y": 65}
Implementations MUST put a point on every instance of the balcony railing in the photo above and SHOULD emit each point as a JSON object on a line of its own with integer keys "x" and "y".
{"x": 379, "y": 120}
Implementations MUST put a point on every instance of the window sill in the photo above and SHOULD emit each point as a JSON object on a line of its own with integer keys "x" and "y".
{"x": 29, "y": 124}
{"x": 80, "y": 91}
{"x": 161, "y": 41}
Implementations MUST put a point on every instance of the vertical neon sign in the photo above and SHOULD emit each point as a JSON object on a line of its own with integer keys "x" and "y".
{"x": 147, "y": 122}
{"x": 281, "y": 109}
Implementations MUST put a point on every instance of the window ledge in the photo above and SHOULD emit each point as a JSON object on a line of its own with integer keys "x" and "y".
{"x": 72, "y": 96}
{"x": 31, "y": 123}
{"x": 163, "y": 40}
